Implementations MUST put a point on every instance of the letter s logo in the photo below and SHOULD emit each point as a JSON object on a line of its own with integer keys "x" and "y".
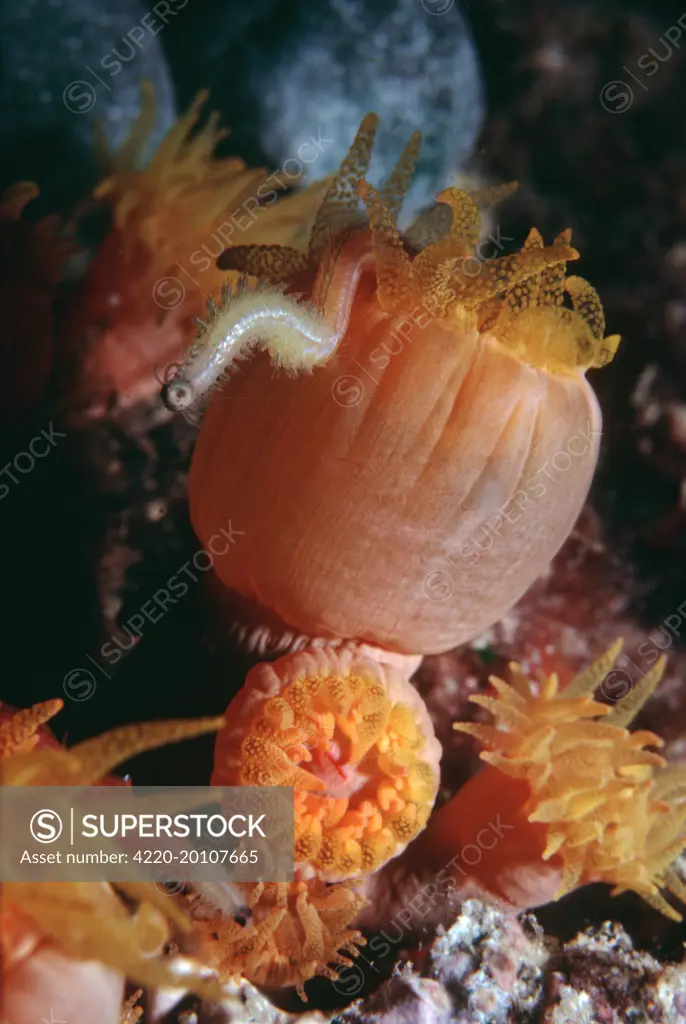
{"x": 46, "y": 826}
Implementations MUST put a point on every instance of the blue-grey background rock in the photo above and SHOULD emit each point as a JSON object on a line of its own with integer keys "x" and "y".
{"x": 310, "y": 68}
{"x": 66, "y": 64}
{"x": 279, "y": 72}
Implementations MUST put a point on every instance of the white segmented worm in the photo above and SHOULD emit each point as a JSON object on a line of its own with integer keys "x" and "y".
{"x": 298, "y": 336}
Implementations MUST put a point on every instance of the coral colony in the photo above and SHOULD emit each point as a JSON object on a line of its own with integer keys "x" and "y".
{"x": 355, "y": 494}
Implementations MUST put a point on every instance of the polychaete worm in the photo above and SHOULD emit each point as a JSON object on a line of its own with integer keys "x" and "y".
{"x": 297, "y": 335}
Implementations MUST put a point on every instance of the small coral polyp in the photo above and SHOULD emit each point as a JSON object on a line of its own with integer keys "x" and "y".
{"x": 434, "y": 388}
{"x": 582, "y": 799}
{"x": 298, "y": 930}
{"x": 353, "y": 739}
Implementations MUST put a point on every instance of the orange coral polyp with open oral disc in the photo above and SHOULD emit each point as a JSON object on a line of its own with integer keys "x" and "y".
{"x": 374, "y": 483}
{"x": 575, "y": 797}
{"x": 353, "y": 738}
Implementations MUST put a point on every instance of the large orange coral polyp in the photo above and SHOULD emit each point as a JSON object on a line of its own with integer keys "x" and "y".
{"x": 354, "y": 740}
{"x": 451, "y": 438}
{"x": 582, "y": 799}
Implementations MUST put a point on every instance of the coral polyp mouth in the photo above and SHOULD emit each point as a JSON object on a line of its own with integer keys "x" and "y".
{"x": 362, "y": 763}
{"x": 341, "y": 780}
{"x": 354, "y": 757}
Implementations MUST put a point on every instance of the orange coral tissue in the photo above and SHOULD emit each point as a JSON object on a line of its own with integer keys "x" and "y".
{"x": 354, "y": 740}
{"x": 409, "y": 486}
{"x": 578, "y": 798}
{"x": 70, "y": 945}
{"x": 352, "y": 736}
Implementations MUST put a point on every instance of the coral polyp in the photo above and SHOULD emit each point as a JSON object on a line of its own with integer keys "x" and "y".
{"x": 297, "y": 931}
{"x": 353, "y": 739}
{"x": 72, "y": 924}
{"x": 171, "y": 217}
{"x": 447, "y": 384}
{"x": 583, "y": 799}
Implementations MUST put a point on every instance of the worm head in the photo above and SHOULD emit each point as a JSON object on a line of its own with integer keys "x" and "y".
{"x": 178, "y": 394}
